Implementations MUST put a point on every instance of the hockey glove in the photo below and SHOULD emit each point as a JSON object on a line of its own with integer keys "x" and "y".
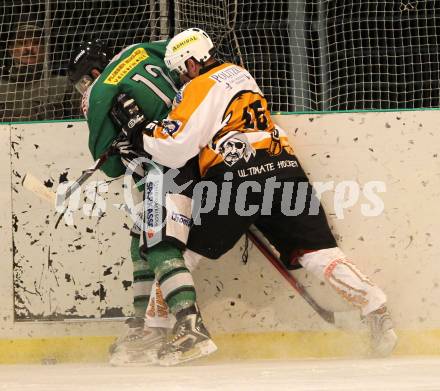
{"x": 127, "y": 116}
{"x": 123, "y": 147}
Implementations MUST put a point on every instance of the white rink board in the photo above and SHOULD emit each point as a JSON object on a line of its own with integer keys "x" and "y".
{"x": 400, "y": 247}
{"x": 6, "y": 288}
{"x": 85, "y": 275}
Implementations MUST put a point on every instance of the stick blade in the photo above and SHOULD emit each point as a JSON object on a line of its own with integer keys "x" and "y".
{"x": 37, "y": 187}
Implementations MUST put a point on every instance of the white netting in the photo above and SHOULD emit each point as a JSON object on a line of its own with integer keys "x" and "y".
{"x": 381, "y": 54}
{"x": 29, "y": 92}
{"x": 256, "y": 35}
{"x": 306, "y": 54}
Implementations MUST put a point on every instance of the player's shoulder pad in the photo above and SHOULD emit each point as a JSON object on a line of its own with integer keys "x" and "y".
{"x": 117, "y": 56}
{"x": 198, "y": 86}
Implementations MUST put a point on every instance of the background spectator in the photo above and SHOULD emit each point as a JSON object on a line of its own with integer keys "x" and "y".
{"x": 28, "y": 88}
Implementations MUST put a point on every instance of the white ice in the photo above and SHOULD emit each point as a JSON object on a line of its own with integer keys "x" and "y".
{"x": 393, "y": 374}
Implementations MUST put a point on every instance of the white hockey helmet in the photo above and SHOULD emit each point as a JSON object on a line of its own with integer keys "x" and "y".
{"x": 189, "y": 43}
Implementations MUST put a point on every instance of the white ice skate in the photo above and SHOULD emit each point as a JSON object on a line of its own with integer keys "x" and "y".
{"x": 138, "y": 346}
{"x": 190, "y": 340}
{"x": 383, "y": 336}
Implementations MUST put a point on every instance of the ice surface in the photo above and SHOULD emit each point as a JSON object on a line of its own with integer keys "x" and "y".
{"x": 395, "y": 374}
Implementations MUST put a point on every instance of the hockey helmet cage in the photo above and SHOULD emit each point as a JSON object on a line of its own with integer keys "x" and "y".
{"x": 192, "y": 42}
{"x": 90, "y": 55}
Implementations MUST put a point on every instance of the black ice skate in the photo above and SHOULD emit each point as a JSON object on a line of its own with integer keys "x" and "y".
{"x": 189, "y": 340}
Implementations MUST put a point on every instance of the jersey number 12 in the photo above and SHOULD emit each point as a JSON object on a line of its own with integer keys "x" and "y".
{"x": 156, "y": 72}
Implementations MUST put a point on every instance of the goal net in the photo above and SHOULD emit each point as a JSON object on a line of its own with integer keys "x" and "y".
{"x": 307, "y": 55}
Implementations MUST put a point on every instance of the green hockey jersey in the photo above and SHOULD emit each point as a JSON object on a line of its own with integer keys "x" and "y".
{"x": 139, "y": 71}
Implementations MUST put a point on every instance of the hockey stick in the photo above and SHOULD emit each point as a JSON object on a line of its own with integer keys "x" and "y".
{"x": 33, "y": 184}
{"x": 264, "y": 246}
{"x": 87, "y": 173}
{"x": 36, "y": 186}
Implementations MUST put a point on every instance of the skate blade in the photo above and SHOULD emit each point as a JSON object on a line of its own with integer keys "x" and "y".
{"x": 200, "y": 350}
{"x": 144, "y": 360}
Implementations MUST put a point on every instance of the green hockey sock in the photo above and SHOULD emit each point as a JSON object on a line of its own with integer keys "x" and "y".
{"x": 174, "y": 278}
{"x": 143, "y": 278}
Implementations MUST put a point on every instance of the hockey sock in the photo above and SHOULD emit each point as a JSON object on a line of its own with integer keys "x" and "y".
{"x": 175, "y": 280}
{"x": 344, "y": 277}
{"x": 158, "y": 314}
{"x": 143, "y": 278}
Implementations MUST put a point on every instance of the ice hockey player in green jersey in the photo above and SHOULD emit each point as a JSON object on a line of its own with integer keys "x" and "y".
{"x": 138, "y": 70}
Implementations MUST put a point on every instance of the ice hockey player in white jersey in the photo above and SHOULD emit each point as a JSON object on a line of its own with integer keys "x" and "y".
{"x": 221, "y": 121}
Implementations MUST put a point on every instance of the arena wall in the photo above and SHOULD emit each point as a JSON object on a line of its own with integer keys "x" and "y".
{"x": 65, "y": 289}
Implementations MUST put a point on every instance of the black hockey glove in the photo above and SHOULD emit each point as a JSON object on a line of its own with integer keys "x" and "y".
{"x": 122, "y": 147}
{"x": 127, "y": 116}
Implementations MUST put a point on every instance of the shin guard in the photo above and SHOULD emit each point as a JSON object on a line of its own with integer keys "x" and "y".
{"x": 344, "y": 277}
